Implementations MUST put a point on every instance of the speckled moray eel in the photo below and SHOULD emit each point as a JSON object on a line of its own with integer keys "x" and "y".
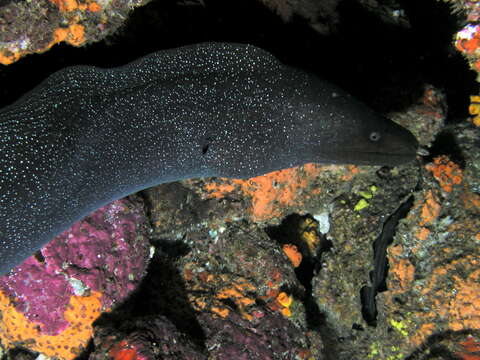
{"x": 87, "y": 136}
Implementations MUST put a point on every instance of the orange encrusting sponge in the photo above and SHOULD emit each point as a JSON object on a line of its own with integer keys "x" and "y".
{"x": 82, "y": 311}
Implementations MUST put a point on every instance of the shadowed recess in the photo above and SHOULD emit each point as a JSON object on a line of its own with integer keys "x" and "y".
{"x": 379, "y": 274}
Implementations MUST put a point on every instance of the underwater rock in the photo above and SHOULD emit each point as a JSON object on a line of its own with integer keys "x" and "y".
{"x": 51, "y": 299}
{"x": 272, "y": 336}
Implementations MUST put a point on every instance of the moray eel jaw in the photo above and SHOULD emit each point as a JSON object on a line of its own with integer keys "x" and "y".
{"x": 367, "y": 158}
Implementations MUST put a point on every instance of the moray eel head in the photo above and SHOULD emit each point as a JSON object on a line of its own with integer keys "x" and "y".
{"x": 354, "y": 133}
{"x": 384, "y": 143}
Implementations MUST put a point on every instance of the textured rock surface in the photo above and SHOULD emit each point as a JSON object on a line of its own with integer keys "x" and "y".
{"x": 224, "y": 299}
{"x": 31, "y": 27}
{"x": 434, "y": 281}
{"x": 51, "y": 299}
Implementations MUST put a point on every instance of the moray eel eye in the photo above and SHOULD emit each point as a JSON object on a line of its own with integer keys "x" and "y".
{"x": 374, "y": 136}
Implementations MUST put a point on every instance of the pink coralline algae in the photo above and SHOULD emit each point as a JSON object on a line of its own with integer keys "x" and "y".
{"x": 107, "y": 252}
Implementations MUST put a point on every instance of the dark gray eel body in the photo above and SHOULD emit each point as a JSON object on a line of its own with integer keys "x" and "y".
{"x": 87, "y": 136}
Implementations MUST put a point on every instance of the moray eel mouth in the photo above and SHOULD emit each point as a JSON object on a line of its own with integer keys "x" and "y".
{"x": 377, "y": 158}
{"x": 368, "y": 158}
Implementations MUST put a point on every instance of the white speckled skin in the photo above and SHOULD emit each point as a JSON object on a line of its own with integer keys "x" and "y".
{"x": 87, "y": 136}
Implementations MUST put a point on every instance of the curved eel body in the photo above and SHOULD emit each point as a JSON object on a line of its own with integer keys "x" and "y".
{"x": 87, "y": 136}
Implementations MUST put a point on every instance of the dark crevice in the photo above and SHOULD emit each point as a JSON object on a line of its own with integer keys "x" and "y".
{"x": 379, "y": 273}
{"x": 162, "y": 292}
{"x": 446, "y": 144}
{"x": 20, "y": 353}
{"x": 85, "y": 355}
{"x": 288, "y": 232}
{"x": 7, "y": 2}
{"x": 39, "y": 256}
